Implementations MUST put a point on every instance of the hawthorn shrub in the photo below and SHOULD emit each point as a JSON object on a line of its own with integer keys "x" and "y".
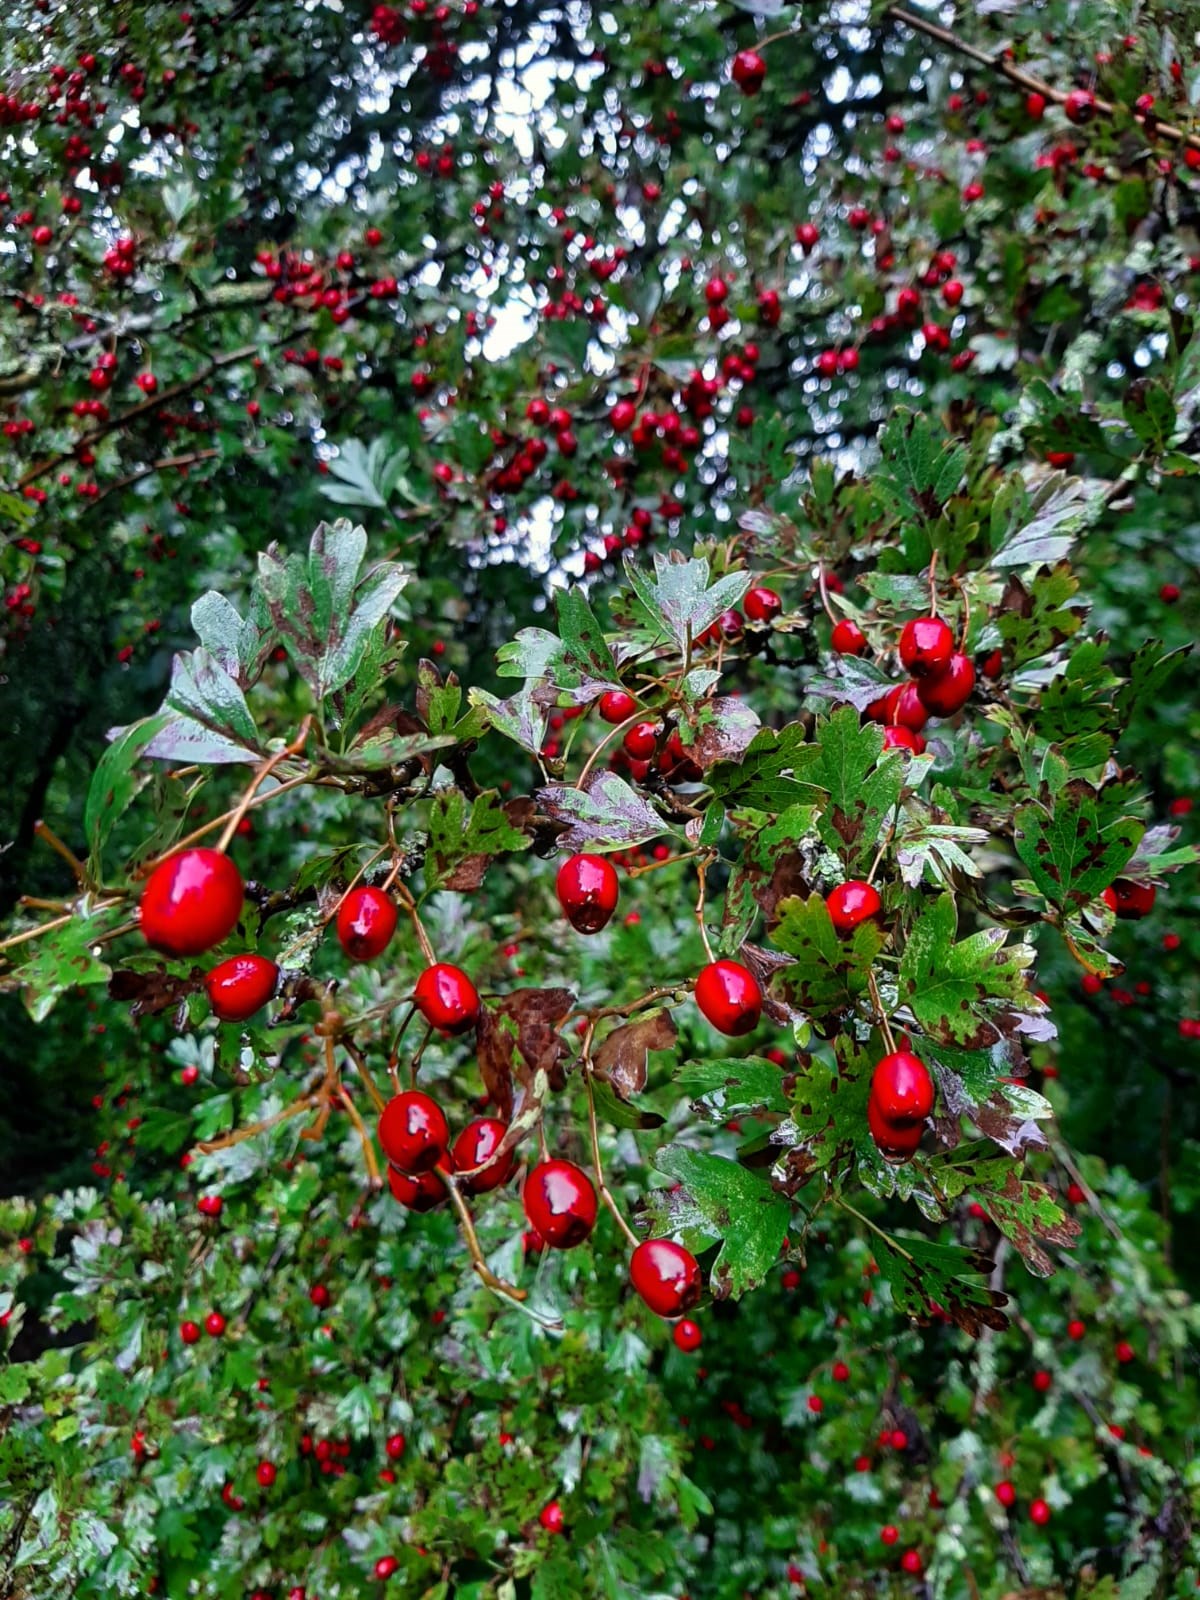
{"x": 620, "y": 1020}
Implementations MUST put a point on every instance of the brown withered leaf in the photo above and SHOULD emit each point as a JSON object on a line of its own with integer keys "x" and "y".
{"x": 764, "y": 964}
{"x": 518, "y": 1037}
{"x": 148, "y": 993}
{"x": 1026, "y": 1213}
{"x": 467, "y": 875}
{"x": 621, "y": 1057}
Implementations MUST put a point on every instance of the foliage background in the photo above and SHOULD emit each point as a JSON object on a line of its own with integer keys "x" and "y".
{"x": 247, "y": 128}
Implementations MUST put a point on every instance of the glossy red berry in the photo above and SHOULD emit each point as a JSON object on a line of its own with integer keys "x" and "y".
{"x": 897, "y": 1143}
{"x": 848, "y": 639}
{"x": 189, "y": 1332}
{"x": 395, "y": 1446}
{"x": 926, "y": 645}
{"x": 1039, "y": 1512}
{"x": 475, "y": 1147}
{"x": 641, "y": 741}
{"x": 366, "y": 921}
{"x": 687, "y": 1336}
{"x": 897, "y": 738}
{"x": 413, "y": 1132}
{"x": 560, "y": 1203}
{"x": 214, "y": 1324}
{"x": 903, "y": 708}
{"x": 762, "y": 604}
{"x": 1079, "y": 105}
{"x": 385, "y": 1567}
{"x": 852, "y": 903}
{"x": 425, "y": 1192}
{"x": 666, "y": 1276}
{"x": 1131, "y": 901}
{"x": 551, "y": 1517}
{"x": 447, "y": 998}
{"x": 266, "y": 1474}
{"x": 587, "y": 890}
{"x": 949, "y": 691}
{"x": 729, "y": 997}
{"x": 902, "y": 1088}
{"x": 889, "y": 1534}
{"x": 841, "y": 1372}
{"x": 616, "y": 706}
{"x": 749, "y": 71}
{"x": 1006, "y": 1493}
{"x": 191, "y": 901}
{"x": 239, "y": 987}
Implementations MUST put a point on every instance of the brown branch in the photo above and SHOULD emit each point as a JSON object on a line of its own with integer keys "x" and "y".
{"x": 1026, "y": 80}
{"x": 164, "y": 465}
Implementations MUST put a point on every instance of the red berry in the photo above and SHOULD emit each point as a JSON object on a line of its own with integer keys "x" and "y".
{"x": 214, "y": 1323}
{"x": 413, "y": 1132}
{"x": 761, "y": 604}
{"x": 729, "y": 997}
{"x": 926, "y": 645}
{"x": 189, "y": 1332}
{"x": 560, "y": 1203}
{"x": 952, "y": 292}
{"x": 896, "y": 1142}
{"x": 897, "y": 738}
{"x": 904, "y": 708}
{"x": 1079, "y": 105}
{"x": 641, "y": 741}
{"x": 912, "y": 1563}
{"x": 551, "y": 1517}
{"x": 587, "y": 890}
{"x": 748, "y": 71}
{"x": 1005, "y": 1493}
{"x": 385, "y": 1566}
{"x": 889, "y": 1534}
{"x": 902, "y": 1088}
{"x": 447, "y": 998}
{"x": 191, "y": 901}
{"x": 807, "y": 235}
{"x": 841, "y": 1372}
{"x": 666, "y": 1276}
{"x": 950, "y": 690}
{"x": 848, "y": 639}
{"x": 395, "y": 1446}
{"x": 1035, "y": 106}
{"x": 623, "y": 415}
{"x": 1076, "y": 1329}
{"x": 1042, "y": 1380}
{"x": 1131, "y": 901}
{"x": 852, "y": 903}
{"x": 423, "y": 1193}
{"x": 266, "y": 1474}
{"x": 366, "y": 921}
{"x": 687, "y": 1336}
{"x": 475, "y": 1147}
{"x": 1124, "y": 1352}
{"x": 1039, "y": 1512}
{"x": 616, "y": 706}
{"x": 239, "y": 987}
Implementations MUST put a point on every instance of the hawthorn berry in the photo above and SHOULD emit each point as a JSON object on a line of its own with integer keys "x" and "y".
{"x": 762, "y": 604}
{"x": 447, "y": 998}
{"x": 476, "y": 1146}
{"x": 366, "y": 921}
{"x": 902, "y": 1088}
{"x": 852, "y": 903}
{"x": 841, "y": 1372}
{"x": 729, "y": 997}
{"x": 422, "y": 1193}
{"x": 587, "y": 890}
{"x": 848, "y": 639}
{"x": 192, "y": 901}
{"x": 214, "y": 1324}
{"x": 266, "y": 1474}
{"x": 616, "y": 706}
{"x": 687, "y": 1336}
{"x": 239, "y": 987}
{"x": 551, "y": 1517}
{"x": 1039, "y": 1512}
{"x": 1005, "y": 1493}
{"x": 1131, "y": 901}
{"x": 666, "y": 1276}
{"x": 641, "y": 741}
{"x": 895, "y": 1141}
{"x": 385, "y": 1567}
{"x": 189, "y": 1332}
{"x": 1079, "y": 105}
{"x": 395, "y": 1446}
{"x": 560, "y": 1203}
{"x": 926, "y": 645}
{"x": 898, "y": 738}
{"x": 950, "y": 690}
{"x": 903, "y": 707}
{"x": 413, "y": 1132}
{"x": 888, "y": 1534}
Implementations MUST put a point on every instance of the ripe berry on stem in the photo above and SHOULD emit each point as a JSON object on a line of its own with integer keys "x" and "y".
{"x": 950, "y": 690}
{"x": 425, "y": 1192}
{"x": 413, "y": 1132}
{"x": 729, "y": 996}
{"x": 447, "y": 998}
{"x": 902, "y": 1088}
{"x": 616, "y": 706}
{"x": 1131, "y": 901}
{"x": 366, "y": 921}
{"x": 926, "y": 645}
{"x": 641, "y": 741}
{"x": 848, "y": 639}
{"x": 475, "y": 1147}
{"x": 749, "y": 71}
{"x": 687, "y": 1336}
{"x": 666, "y": 1276}
{"x": 191, "y": 901}
{"x": 852, "y": 903}
{"x": 587, "y": 890}
{"x": 761, "y": 604}
{"x": 560, "y": 1203}
{"x": 239, "y": 987}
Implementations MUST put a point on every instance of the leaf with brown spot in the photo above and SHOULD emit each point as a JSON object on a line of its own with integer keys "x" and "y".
{"x": 621, "y": 1057}
{"x": 723, "y": 728}
{"x": 148, "y": 993}
{"x": 517, "y": 1037}
{"x": 1026, "y": 1213}
{"x": 924, "y": 1273}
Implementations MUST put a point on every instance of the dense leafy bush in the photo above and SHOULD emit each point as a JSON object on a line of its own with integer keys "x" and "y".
{"x": 644, "y": 376}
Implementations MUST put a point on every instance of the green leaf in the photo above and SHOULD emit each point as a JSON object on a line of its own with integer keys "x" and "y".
{"x": 116, "y": 781}
{"x": 63, "y": 960}
{"x": 1070, "y": 850}
{"x": 679, "y": 599}
{"x": 747, "y": 1213}
{"x": 519, "y": 718}
{"x": 608, "y": 815}
{"x": 860, "y": 805}
{"x": 1150, "y": 412}
{"x": 733, "y": 1086}
{"x": 1027, "y": 1213}
{"x": 1149, "y": 670}
{"x": 828, "y": 973}
{"x": 955, "y": 989}
{"x": 364, "y": 475}
{"x": 462, "y": 843}
{"x": 1043, "y": 523}
{"x": 1034, "y": 620}
{"x": 923, "y": 1273}
{"x": 770, "y": 773}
